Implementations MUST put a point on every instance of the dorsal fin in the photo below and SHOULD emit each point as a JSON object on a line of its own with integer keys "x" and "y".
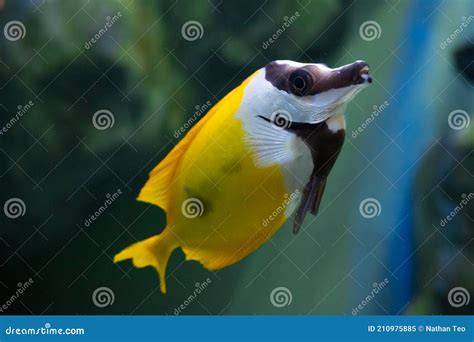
{"x": 156, "y": 189}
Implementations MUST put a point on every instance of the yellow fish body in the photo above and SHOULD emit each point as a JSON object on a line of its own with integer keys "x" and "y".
{"x": 238, "y": 174}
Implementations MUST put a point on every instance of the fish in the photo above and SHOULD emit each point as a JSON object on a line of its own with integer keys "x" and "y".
{"x": 262, "y": 154}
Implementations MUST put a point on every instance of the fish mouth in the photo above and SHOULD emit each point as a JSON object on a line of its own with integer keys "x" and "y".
{"x": 344, "y": 77}
{"x": 364, "y": 76}
{"x": 343, "y": 84}
{"x": 352, "y": 74}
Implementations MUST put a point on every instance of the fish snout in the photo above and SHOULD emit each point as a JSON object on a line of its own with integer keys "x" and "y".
{"x": 353, "y": 74}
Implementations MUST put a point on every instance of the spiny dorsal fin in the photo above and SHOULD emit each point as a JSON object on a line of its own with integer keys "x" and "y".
{"x": 157, "y": 189}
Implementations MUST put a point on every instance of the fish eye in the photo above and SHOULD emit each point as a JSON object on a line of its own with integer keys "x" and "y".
{"x": 301, "y": 82}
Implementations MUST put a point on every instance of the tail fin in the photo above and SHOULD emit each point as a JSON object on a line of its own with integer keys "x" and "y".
{"x": 154, "y": 251}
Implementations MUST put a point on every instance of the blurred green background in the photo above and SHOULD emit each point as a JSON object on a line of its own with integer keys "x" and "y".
{"x": 411, "y": 156}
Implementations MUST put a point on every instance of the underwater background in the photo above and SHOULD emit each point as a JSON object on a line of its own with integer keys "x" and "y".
{"x": 93, "y": 94}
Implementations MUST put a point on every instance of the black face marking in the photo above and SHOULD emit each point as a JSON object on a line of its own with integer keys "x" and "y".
{"x": 323, "y": 143}
{"x": 313, "y": 79}
{"x": 277, "y": 74}
{"x": 325, "y": 146}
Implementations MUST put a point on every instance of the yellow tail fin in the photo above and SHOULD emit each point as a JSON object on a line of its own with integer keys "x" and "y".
{"x": 154, "y": 251}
